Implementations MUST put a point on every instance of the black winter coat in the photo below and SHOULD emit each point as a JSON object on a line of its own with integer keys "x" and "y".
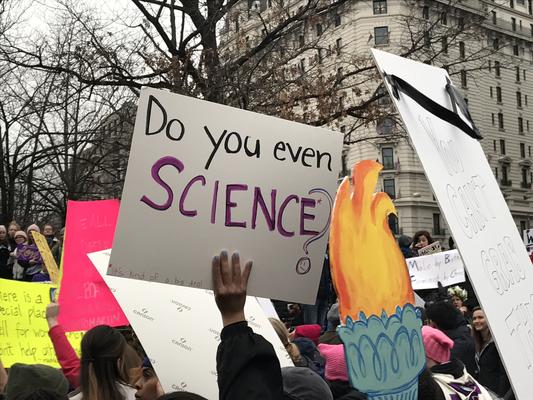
{"x": 247, "y": 366}
{"x": 491, "y": 372}
{"x": 464, "y": 348}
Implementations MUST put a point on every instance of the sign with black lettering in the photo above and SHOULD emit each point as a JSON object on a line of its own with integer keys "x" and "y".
{"x": 476, "y": 212}
{"x": 204, "y": 177}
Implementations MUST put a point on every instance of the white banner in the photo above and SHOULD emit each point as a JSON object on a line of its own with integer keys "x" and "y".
{"x": 179, "y": 329}
{"x": 476, "y": 212}
{"x": 445, "y": 267}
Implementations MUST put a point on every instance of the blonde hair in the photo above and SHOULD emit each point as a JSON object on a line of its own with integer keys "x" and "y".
{"x": 283, "y": 335}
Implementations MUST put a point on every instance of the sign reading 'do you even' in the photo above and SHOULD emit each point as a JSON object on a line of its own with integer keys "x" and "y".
{"x": 477, "y": 214}
{"x": 204, "y": 177}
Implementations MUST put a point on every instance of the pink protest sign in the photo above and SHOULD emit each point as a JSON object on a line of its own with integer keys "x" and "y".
{"x": 85, "y": 299}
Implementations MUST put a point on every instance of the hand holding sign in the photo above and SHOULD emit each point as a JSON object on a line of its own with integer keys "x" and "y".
{"x": 230, "y": 287}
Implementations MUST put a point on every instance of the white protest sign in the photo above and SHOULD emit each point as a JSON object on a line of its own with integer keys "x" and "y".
{"x": 179, "y": 329}
{"x": 203, "y": 177}
{"x": 430, "y": 249}
{"x": 477, "y": 214}
{"x": 445, "y": 267}
{"x": 528, "y": 237}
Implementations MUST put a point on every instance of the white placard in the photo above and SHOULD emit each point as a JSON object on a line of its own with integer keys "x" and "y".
{"x": 528, "y": 237}
{"x": 477, "y": 214}
{"x": 445, "y": 267}
{"x": 430, "y": 249}
{"x": 179, "y": 329}
{"x": 203, "y": 177}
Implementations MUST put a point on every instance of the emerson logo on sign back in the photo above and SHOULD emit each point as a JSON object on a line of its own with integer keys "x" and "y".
{"x": 446, "y": 142}
{"x": 204, "y": 177}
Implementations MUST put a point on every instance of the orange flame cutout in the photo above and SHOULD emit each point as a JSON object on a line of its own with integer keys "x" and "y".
{"x": 368, "y": 268}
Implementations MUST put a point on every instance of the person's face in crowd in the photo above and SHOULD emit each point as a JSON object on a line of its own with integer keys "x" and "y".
{"x": 20, "y": 239}
{"x": 148, "y": 386}
{"x": 457, "y": 302}
{"x": 12, "y": 230}
{"x": 61, "y": 234}
{"x": 479, "y": 321}
{"x": 48, "y": 230}
{"x": 422, "y": 242}
{"x": 3, "y": 232}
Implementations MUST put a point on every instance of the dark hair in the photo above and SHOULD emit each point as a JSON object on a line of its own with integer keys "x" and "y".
{"x": 444, "y": 315}
{"x": 41, "y": 394}
{"x": 428, "y": 388}
{"x": 478, "y": 338}
{"x": 101, "y": 349}
{"x": 417, "y": 235}
{"x": 181, "y": 396}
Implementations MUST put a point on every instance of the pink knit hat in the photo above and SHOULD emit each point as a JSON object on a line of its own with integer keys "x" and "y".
{"x": 437, "y": 344}
{"x": 336, "y": 369}
{"x": 311, "y": 331}
{"x": 33, "y": 227}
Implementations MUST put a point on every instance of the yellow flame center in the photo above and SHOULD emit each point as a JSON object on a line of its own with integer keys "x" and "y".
{"x": 368, "y": 268}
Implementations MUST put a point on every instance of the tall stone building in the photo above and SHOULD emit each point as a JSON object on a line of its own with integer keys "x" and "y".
{"x": 493, "y": 67}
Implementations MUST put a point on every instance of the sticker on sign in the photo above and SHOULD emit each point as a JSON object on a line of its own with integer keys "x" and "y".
{"x": 474, "y": 208}
{"x": 204, "y": 177}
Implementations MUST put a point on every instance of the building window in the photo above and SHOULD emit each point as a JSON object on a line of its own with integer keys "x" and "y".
{"x": 511, "y": 3}
{"x": 527, "y": 125}
{"x": 494, "y": 145}
{"x": 385, "y": 126}
{"x": 500, "y": 121}
{"x": 301, "y": 40}
{"x": 491, "y": 94}
{"x": 425, "y": 15}
{"x": 493, "y": 123}
{"x": 505, "y": 175}
{"x": 320, "y": 53}
{"x": 525, "y": 184}
{"x": 319, "y": 29}
{"x": 444, "y": 18}
{"x": 496, "y": 173}
{"x": 393, "y": 224}
{"x": 387, "y": 157}
{"x": 463, "y": 78}
{"x": 523, "y": 226}
{"x": 524, "y": 74}
{"x": 515, "y": 50}
{"x": 493, "y": 17}
{"x": 338, "y": 46}
{"x": 502, "y": 147}
{"x": 462, "y": 51}
{"x": 517, "y": 70}
{"x": 522, "y": 150}
{"x": 444, "y": 44}
{"x": 497, "y": 71}
{"x": 380, "y": 7}
{"x": 525, "y": 100}
{"x": 427, "y": 39}
{"x": 498, "y": 94}
{"x": 389, "y": 188}
{"x": 337, "y": 20}
{"x": 437, "y": 225}
{"x": 520, "y": 125}
{"x": 531, "y": 28}
{"x": 513, "y": 24}
{"x": 302, "y": 65}
{"x": 381, "y": 35}
{"x": 496, "y": 44}
{"x": 460, "y": 23}
{"x": 519, "y": 99}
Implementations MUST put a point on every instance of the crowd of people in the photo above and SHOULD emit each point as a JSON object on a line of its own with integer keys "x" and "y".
{"x": 462, "y": 361}
{"x": 20, "y": 258}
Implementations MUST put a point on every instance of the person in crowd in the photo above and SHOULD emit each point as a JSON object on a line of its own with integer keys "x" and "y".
{"x": 147, "y": 385}
{"x": 331, "y": 336}
{"x": 303, "y": 384}
{"x": 310, "y": 356}
{"x": 25, "y": 379}
{"x": 491, "y": 372}
{"x": 3, "y": 377}
{"x": 181, "y": 396}
{"x": 19, "y": 266}
{"x": 428, "y": 388}
{"x": 405, "y": 242}
{"x": 421, "y": 240}
{"x": 102, "y": 374}
{"x": 11, "y": 230}
{"x": 6, "y": 270}
{"x": 42, "y": 276}
{"x": 336, "y": 373}
{"x": 441, "y": 314}
{"x": 459, "y": 297}
{"x": 42, "y": 394}
{"x": 247, "y": 365}
{"x": 450, "y": 373}
{"x": 311, "y": 332}
{"x": 57, "y": 249}
{"x": 316, "y": 313}
{"x": 34, "y": 266}
{"x": 49, "y": 234}
{"x": 283, "y": 335}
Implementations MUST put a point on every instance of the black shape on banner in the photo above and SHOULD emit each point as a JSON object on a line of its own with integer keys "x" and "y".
{"x": 399, "y": 85}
